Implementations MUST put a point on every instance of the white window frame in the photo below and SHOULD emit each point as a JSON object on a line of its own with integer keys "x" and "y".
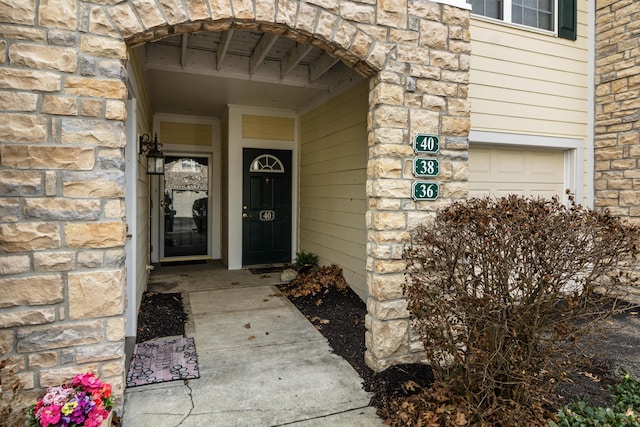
{"x": 507, "y": 7}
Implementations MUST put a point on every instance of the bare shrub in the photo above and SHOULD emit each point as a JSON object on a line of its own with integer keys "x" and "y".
{"x": 503, "y": 292}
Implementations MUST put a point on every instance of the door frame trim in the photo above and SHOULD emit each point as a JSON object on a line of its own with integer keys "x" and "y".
{"x": 212, "y": 151}
{"x": 236, "y": 145}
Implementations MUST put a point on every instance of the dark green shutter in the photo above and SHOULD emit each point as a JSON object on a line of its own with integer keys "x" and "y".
{"x": 567, "y": 19}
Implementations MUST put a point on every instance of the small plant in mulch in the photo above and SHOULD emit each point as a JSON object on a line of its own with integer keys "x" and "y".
{"x": 625, "y": 410}
{"x": 315, "y": 282}
{"x": 305, "y": 262}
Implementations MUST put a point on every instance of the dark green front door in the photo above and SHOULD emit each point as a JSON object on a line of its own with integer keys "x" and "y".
{"x": 266, "y": 207}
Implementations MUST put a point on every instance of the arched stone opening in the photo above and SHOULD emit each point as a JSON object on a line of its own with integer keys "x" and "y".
{"x": 62, "y": 157}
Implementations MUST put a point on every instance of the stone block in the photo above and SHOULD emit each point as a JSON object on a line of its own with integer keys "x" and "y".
{"x": 97, "y": 88}
{"x": 18, "y": 11}
{"x": 99, "y": 352}
{"x": 389, "y": 94}
{"x": 51, "y": 208}
{"x": 386, "y": 220}
{"x": 386, "y": 116}
{"x": 389, "y": 266}
{"x": 43, "y": 360}
{"x": 345, "y": 33}
{"x": 43, "y": 57}
{"x": 112, "y": 369}
{"x": 47, "y": 157}
{"x": 103, "y": 47}
{"x": 60, "y": 105}
{"x": 46, "y": 81}
{"x": 50, "y": 183}
{"x": 391, "y": 188}
{"x": 55, "y": 377}
{"x": 90, "y": 259}
{"x": 83, "y": 288}
{"x": 54, "y": 261}
{"x": 32, "y": 290}
{"x": 243, "y": 9}
{"x": 14, "y": 264}
{"x": 114, "y": 209}
{"x": 15, "y": 127}
{"x": 91, "y": 107}
{"x": 149, "y": 13}
{"x": 116, "y": 329}
{"x": 423, "y": 121}
{"x": 457, "y": 126}
{"x": 20, "y": 183}
{"x": 358, "y": 12}
{"x": 49, "y": 337}
{"x": 29, "y": 236}
{"x": 94, "y": 234}
{"x": 7, "y": 340}
{"x": 125, "y": 20}
{"x": 114, "y": 258}
{"x": 99, "y": 23}
{"x": 388, "y": 338}
{"x": 386, "y": 287}
{"x": 198, "y": 10}
{"x": 27, "y": 317}
{"x": 62, "y": 37}
{"x": 94, "y": 132}
{"x": 385, "y": 168}
{"x": 18, "y": 101}
{"x": 115, "y": 110}
{"x": 388, "y": 310}
{"x": 58, "y": 14}
{"x": 9, "y": 209}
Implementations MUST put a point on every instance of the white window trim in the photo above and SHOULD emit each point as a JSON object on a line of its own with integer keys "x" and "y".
{"x": 573, "y": 153}
{"x": 508, "y": 17}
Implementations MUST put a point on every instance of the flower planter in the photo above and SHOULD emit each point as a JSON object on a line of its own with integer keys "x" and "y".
{"x": 107, "y": 422}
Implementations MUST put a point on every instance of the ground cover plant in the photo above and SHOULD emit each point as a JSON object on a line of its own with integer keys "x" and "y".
{"x": 504, "y": 293}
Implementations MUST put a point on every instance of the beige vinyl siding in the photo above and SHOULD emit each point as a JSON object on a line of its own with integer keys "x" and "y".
{"x": 333, "y": 172}
{"x": 142, "y": 230}
{"x": 524, "y": 81}
{"x": 267, "y": 127}
{"x": 186, "y": 133}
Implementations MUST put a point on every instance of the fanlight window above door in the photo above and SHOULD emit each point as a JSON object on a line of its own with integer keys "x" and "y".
{"x": 266, "y": 163}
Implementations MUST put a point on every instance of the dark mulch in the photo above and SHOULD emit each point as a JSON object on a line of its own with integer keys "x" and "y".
{"x": 160, "y": 315}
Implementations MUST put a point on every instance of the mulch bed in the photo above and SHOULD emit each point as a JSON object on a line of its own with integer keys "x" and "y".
{"x": 160, "y": 315}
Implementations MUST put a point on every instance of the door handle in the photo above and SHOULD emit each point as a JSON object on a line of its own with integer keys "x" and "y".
{"x": 246, "y": 215}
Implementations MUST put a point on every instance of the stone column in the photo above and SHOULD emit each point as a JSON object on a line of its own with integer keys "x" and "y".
{"x": 617, "y": 109}
{"x": 421, "y": 89}
{"x": 62, "y": 234}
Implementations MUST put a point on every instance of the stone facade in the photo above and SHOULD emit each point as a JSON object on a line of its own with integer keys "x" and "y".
{"x": 617, "y": 103}
{"x": 62, "y": 86}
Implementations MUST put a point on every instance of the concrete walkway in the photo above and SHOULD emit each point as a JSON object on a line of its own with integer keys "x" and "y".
{"x": 261, "y": 362}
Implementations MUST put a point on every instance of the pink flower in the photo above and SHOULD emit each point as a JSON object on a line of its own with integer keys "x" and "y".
{"x": 88, "y": 380}
{"x": 50, "y": 415}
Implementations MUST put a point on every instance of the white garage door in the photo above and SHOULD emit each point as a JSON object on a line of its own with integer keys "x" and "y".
{"x": 502, "y": 171}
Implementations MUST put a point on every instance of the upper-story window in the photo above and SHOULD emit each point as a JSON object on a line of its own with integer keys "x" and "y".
{"x": 533, "y": 13}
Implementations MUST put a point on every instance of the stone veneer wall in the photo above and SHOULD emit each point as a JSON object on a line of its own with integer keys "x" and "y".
{"x": 617, "y": 107}
{"x": 62, "y": 167}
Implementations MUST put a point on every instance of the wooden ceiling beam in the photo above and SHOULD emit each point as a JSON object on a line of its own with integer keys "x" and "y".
{"x": 321, "y": 66}
{"x": 293, "y": 57}
{"x": 225, "y": 41}
{"x": 261, "y": 51}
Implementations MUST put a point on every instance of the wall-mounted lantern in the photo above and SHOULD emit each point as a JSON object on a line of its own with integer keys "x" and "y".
{"x": 155, "y": 158}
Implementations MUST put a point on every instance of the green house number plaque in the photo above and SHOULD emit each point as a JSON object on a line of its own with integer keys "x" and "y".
{"x": 425, "y": 190}
{"x": 426, "y": 166}
{"x": 426, "y": 143}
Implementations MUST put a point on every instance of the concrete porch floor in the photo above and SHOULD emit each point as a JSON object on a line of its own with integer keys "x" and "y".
{"x": 279, "y": 371}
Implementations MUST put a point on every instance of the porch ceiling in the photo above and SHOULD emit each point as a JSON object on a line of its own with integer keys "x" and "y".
{"x": 199, "y": 74}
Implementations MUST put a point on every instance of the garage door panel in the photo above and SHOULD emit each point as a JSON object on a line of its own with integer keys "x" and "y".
{"x": 503, "y": 171}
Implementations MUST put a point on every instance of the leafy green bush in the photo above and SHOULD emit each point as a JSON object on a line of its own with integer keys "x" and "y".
{"x": 625, "y": 412}
{"x": 305, "y": 261}
{"x": 503, "y": 292}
